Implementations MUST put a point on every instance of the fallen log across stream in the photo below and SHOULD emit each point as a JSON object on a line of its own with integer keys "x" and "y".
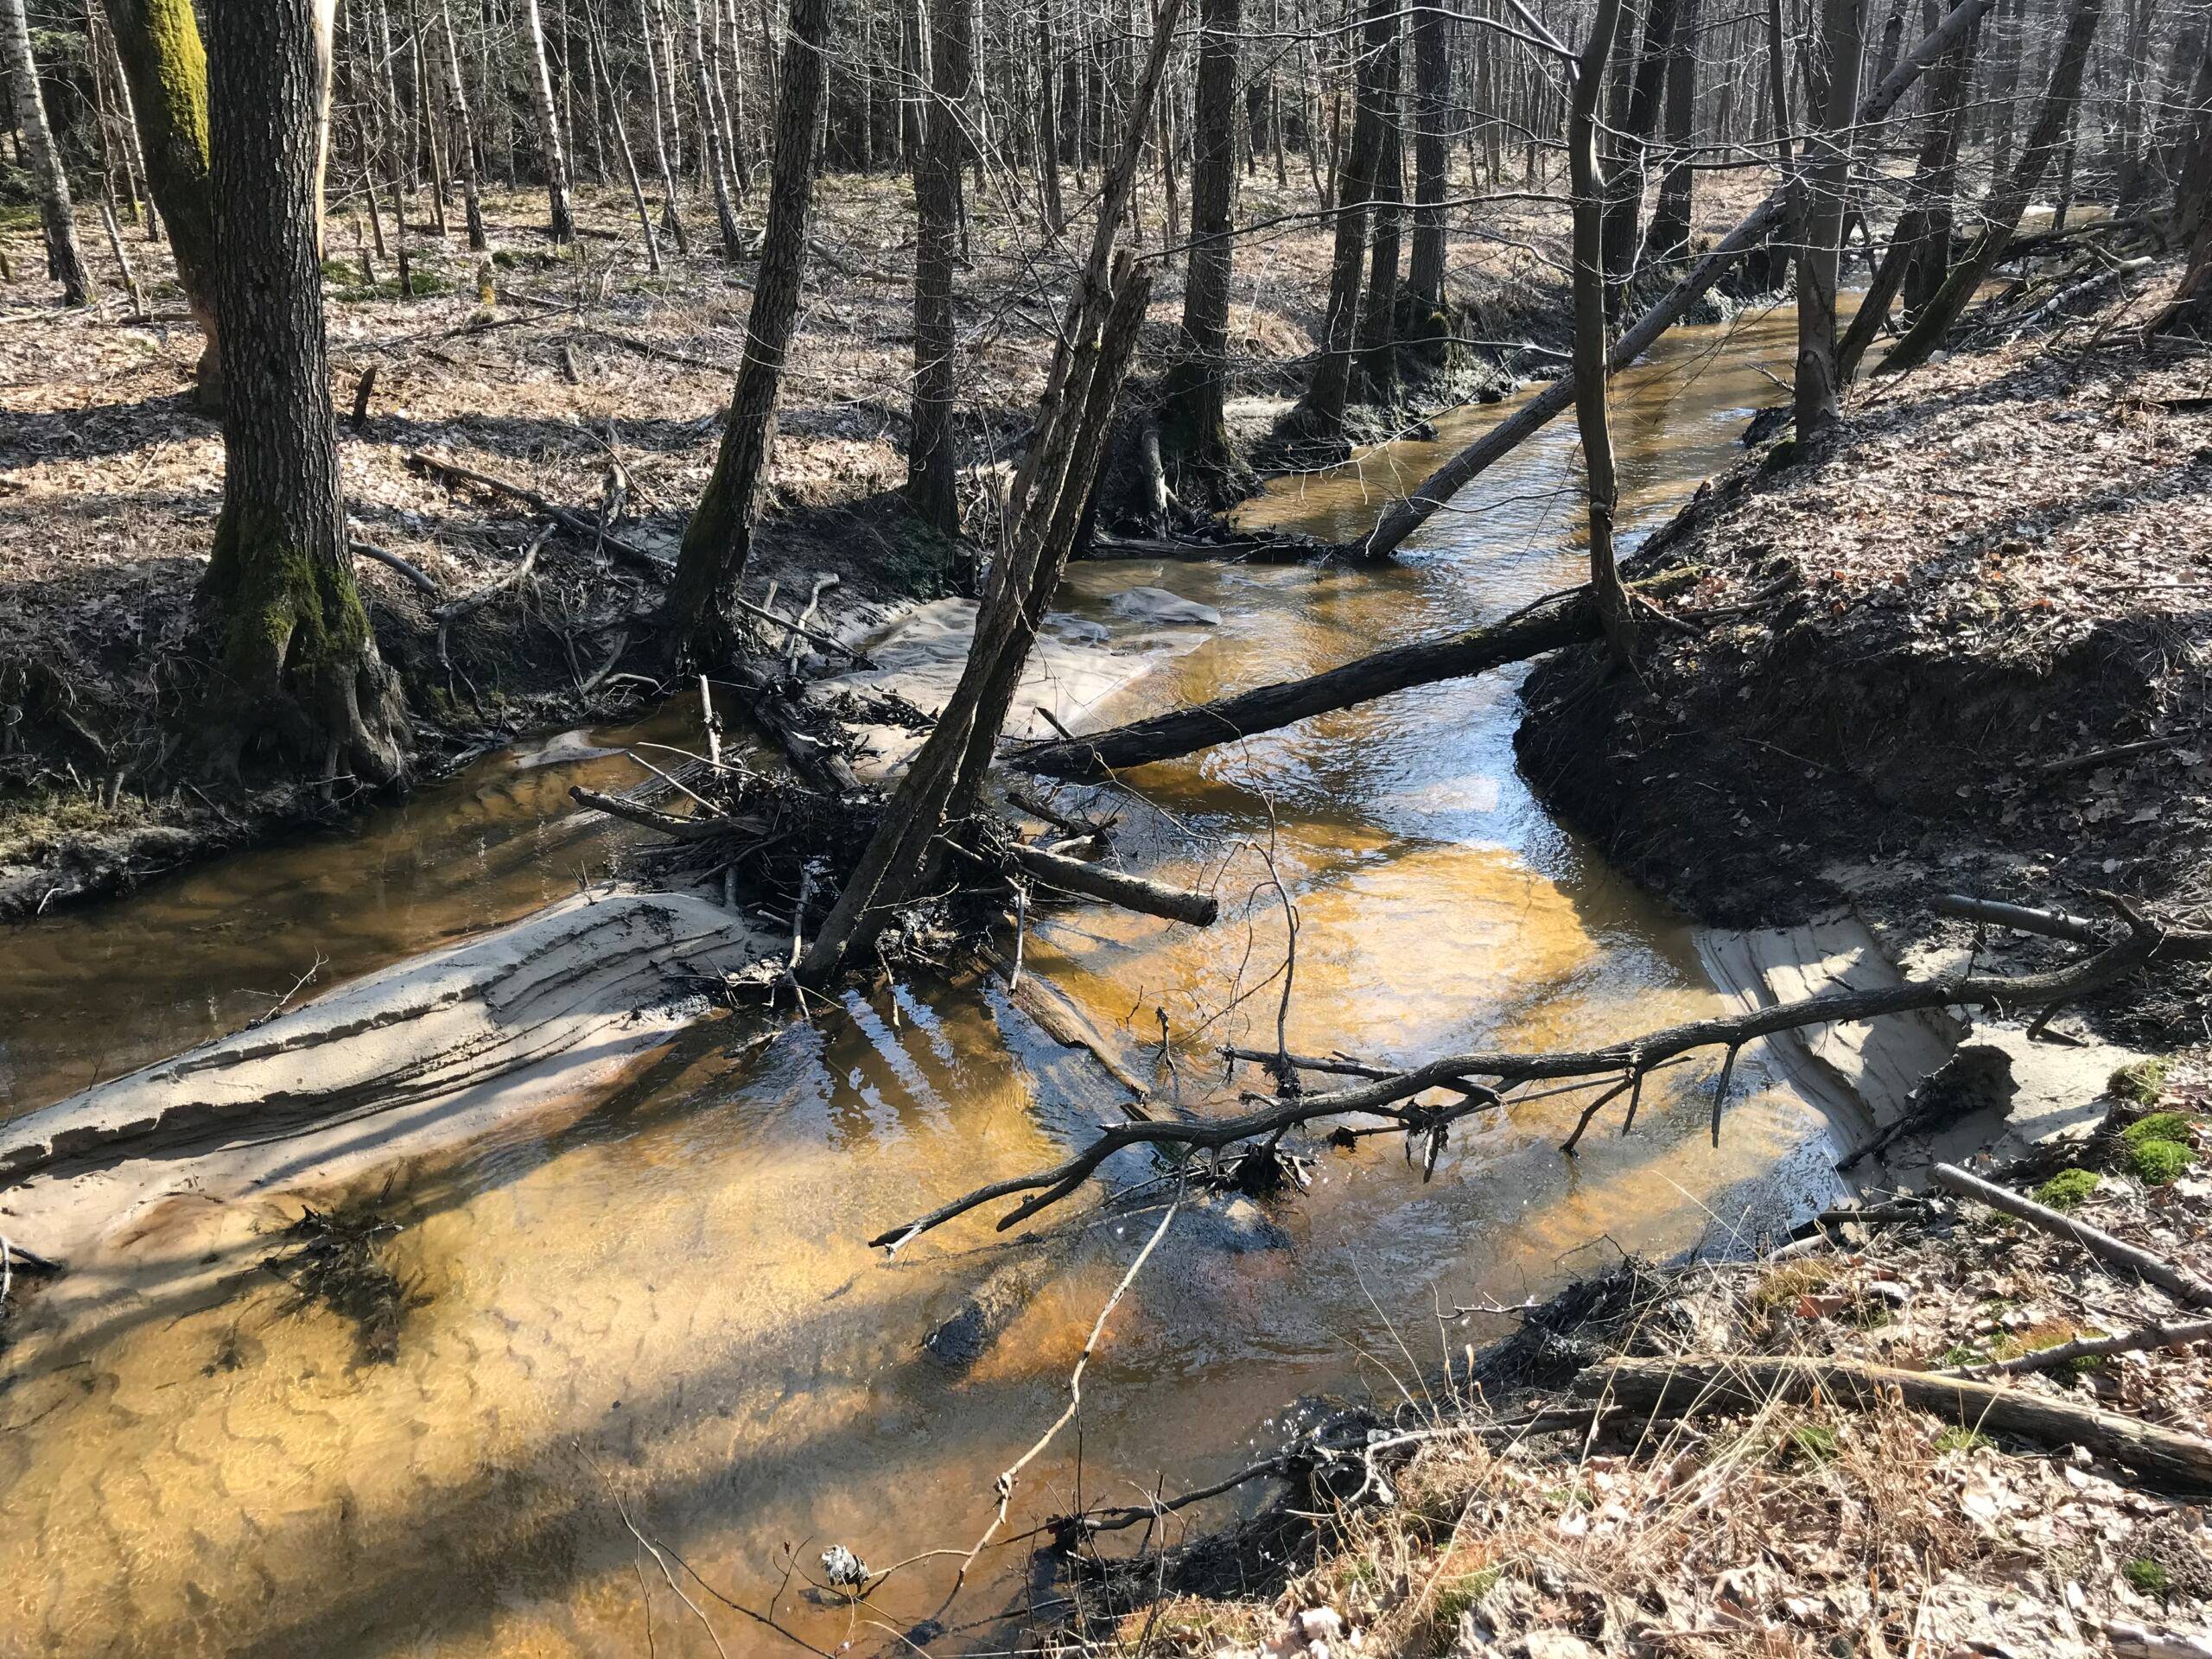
{"x": 1562, "y": 619}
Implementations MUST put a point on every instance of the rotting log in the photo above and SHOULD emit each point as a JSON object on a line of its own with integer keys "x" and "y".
{"x": 1563, "y": 619}
{"x": 1406, "y": 517}
{"x": 2165, "y": 1459}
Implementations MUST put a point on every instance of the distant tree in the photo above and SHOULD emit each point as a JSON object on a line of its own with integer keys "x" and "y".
{"x": 930, "y": 463}
{"x": 553, "y": 152}
{"x": 1194, "y": 427}
{"x": 63, "y": 263}
{"x": 290, "y": 662}
{"x": 718, "y": 542}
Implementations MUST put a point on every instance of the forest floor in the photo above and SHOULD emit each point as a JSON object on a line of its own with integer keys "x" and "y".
{"x": 1778, "y": 1527}
{"x": 582, "y": 375}
{"x": 1958, "y": 648}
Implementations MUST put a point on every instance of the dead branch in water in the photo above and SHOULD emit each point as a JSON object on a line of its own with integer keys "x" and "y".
{"x": 1381, "y": 1096}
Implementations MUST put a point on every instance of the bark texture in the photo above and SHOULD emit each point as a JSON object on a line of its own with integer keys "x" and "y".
{"x": 1831, "y": 78}
{"x": 291, "y": 661}
{"x": 552, "y": 150}
{"x": 1194, "y": 432}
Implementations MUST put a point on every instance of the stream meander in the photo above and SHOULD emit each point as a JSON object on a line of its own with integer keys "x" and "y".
{"x": 666, "y": 1308}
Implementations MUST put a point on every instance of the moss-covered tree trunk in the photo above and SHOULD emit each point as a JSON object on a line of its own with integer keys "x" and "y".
{"x": 1193, "y": 428}
{"x": 718, "y": 542}
{"x": 931, "y": 477}
{"x": 63, "y": 261}
{"x": 291, "y": 668}
{"x": 166, "y": 68}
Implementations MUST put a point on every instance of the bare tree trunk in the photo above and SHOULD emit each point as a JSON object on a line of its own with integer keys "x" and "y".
{"x": 932, "y": 474}
{"x": 1832, "y": 82}
{"x": 290, "y": 658}
{"x": 1670, "y": 219}
{"x": 2001, "y": 212}
{"x": 1590, "y": 376}
{"x": 1431, "y": 118}
{"x": 597, "y": 53}
{"x": 166, "y": 68}
{"x": 63, "y": 261}
{"x": 1194, "y": 431}
{"x": 713, "y": 147}
{"x": 1048, "y": 122}
{"x": 1378, "y": 320}
{"x": 548, "y": 125}
{"x": 471, "y": 192}
{"x": 664, "y": 117}
{"x": 1047, "y": 505}
{"x": 1319, "y": 417}
{"x": 1929, "y": 191}
{"x": 718, "y": 542}
{"x": 1623, "y": 207}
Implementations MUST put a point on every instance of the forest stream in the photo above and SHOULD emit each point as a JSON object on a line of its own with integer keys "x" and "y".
{"x": 662, "y": 1315}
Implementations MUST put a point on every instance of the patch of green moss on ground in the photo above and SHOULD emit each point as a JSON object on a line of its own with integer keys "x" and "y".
{"x": 2155, "y": 1163}
{"x": 1955, "y": 1439}
{"x": 2141, "y": 1083}
{"x": 2159, "y": 1126}
{"x": 2147, "y": 1576}
{"x": 2067, "y": 1190}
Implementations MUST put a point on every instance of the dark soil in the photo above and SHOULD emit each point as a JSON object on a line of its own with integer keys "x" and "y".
{"x": 1900, "y": 665}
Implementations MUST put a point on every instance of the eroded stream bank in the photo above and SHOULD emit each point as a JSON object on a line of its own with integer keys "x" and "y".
{"x": 665, "y": 1308}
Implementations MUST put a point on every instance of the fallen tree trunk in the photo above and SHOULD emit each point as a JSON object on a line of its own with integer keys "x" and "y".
{"x": 2165, "y": 1460}
{"x": 1406, "y": 517}
{"x": 1563, "y": 619}
{"x": 2112, "y": 1252}
{"x": 1116, "y": 886}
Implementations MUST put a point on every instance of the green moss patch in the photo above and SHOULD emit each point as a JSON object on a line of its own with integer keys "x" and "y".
{"x": 2067, "y": 1190}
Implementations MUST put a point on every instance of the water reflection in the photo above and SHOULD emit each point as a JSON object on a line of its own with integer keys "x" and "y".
{"x": 667, "y": 1309}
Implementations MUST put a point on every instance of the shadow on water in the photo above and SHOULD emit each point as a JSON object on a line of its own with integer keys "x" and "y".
{"x": 668, "y": 1295}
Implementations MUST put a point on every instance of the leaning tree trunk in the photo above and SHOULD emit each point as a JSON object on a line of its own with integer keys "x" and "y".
{"x": 2001, "y": 212}
{"x": 1927, "y": 211}
{"x": 291, "y": 659}
{"x": 1193, "y": 429}
{"x": 718, "y": 542}
{"x": 63, "y": 263}
{"x": 1832, "y": 85}
{"x": 1589, "y": 368}
{"x": 932, "y": 475}
{"x": 167, "y": 68}
{"x": 550, "y": 148}
{"x": 1319, "y": 417}
{"x": 1045, "y": 508}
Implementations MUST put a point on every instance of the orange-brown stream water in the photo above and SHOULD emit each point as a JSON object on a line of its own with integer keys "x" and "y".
{"x": 663, "y": 1317}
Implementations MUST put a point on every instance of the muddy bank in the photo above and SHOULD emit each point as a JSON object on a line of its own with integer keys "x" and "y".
{"x": 1546, "y": 1500}
{"x": 1959, "y": 648}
